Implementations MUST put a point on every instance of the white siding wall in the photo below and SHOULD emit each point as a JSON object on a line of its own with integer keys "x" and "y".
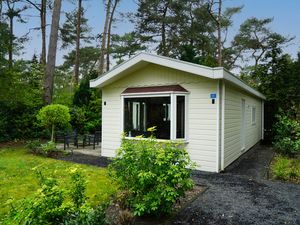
{"x": 233, "y": 123}
{"x": 202, "y": 114}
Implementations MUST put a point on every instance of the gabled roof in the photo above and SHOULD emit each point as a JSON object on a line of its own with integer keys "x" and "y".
{"x": 142, "y": 59}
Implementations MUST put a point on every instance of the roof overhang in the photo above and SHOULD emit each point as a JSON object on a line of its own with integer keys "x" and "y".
{"x": 142, "y": 59}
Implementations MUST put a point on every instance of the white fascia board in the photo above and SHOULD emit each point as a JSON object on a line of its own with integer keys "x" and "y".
{"x": 238, "y": 82}
{"x": 100, "y": 81}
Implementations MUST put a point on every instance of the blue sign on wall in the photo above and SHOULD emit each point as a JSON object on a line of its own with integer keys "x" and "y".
{"x": 213, "y": 95}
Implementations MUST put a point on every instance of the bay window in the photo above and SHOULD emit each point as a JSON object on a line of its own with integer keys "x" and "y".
{"x": 166, "y": 111}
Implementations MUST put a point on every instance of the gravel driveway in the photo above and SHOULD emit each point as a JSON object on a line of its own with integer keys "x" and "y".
{"x": 240, "y": 196}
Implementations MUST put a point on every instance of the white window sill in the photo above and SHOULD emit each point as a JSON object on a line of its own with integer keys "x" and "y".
{"x": 158, "y": 140}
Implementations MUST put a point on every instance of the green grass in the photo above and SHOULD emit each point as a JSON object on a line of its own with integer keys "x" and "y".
{"x": 18, "y": 178}
{"x": 286, "y": 169}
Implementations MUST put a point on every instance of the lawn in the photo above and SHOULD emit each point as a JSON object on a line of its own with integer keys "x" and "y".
{"x": 286, "y": 169}
{"x": 18, "y": 178}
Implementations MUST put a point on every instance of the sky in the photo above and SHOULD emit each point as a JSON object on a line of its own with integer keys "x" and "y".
{"x": 286, "y": 15}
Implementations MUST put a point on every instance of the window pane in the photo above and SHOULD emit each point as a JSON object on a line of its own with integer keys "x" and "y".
{"x": 180, "y": 117}
{"x": 142, "y": 113}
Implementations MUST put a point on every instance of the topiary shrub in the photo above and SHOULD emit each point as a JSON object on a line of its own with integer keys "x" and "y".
{"x": 54, "y": 115}
{"x": 287, "y": 136}
{"x": 153, "y": 174}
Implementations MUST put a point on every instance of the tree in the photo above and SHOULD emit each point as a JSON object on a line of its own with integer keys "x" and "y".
{"x": 42, "y": 9}
{"x": 4, "y": 40}
{"x": 54, "y": 115}
{"x": 158, "y": 22}
{"x": 125, "y": 46}
{"x": 104, "y": 36}
{"x": 88, "y": 58}
{"x": 111, "y": 18}
{"x": 222, "y": 20}
{"x": 74, "y": 30}
{"x": 48, "y": 83}
{"x": 254, "y": 39}
{"x": 12, "y": 13}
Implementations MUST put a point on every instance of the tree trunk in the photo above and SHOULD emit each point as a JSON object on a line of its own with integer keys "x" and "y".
{"x": 103, "y": 50}
{"x": 48, "y": 83}
{"x": 220, "y": 58}
{"x": 77, "y": 54}
{"x": 109, "y": 34}
{"x": 163, "y": 32}
{"x": 43, "y": 30}
{"x": 52, "y": 132}
{"x": 11, "y": 41}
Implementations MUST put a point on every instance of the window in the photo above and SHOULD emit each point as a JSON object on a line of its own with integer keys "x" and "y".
{"x": 253, "y": 115}
{"x": 142, "y": 112}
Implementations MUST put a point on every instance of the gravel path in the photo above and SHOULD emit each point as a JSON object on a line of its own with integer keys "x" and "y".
{"x": 241, "y": 196}
{"x": 238, "y": 200}
{"x": 78, "y": 157}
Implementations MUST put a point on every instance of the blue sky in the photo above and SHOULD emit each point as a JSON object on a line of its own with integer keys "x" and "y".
{"x": 286, "y": 16}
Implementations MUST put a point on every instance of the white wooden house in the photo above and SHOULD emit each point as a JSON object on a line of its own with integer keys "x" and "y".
{"x": 216, "y": 114}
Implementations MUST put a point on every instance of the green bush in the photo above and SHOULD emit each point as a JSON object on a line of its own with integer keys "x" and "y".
{"x": 34, "y": 146}
{"x": 54, "y": 205}
{"x": 46, "y": 149}
{"x": 281, "y": 168}
{"x": 287, "y": 169}
{"x": 153, "y": 174}
{"x": 287, "y": 136}
{"x": 49, "y": 149}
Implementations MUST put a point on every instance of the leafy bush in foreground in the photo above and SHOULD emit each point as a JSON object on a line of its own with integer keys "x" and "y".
{"x": 46, "y": 149}
{"x": 153, "y": 174}
{"x": 53, "y": 205}
{"x": 287, "y": 135}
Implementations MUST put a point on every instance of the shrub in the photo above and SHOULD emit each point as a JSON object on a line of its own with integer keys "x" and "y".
{"x": 287, "y": 135}
{"x": 53, "y": 204}
{"x": 54, "y": 115}
{"x": 281, "y": 168}
{"x": 287, "y": 169}
{"x": 154, "y": 174}
{"x": 49, "y": 149}
{"x": 34, "y": 146}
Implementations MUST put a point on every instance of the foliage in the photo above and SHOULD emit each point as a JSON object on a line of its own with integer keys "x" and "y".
{"x": 125, "y": 46}
{"x": 54, "y": 115}
{"x": 287, "y": 169}
{"x": 86, "y": 112}
{"x": 34, "y": 146}
{"x": 68, "y": 30}
{"x": 255, "y": 37}
{"x": 18, "y": 179}
{"x": 88, "y": 58}
{"x": 153, "y": 174}
{"x": 20, "y": 98}
{"x": 4, "y": 40}
{"x": 63, "y": 91}
{"x": 50, "y": 204}
{"x": 287, "y": 135}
